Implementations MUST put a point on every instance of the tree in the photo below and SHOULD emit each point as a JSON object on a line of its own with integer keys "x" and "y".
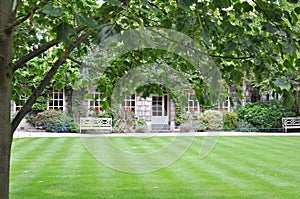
{"x": 256, "y": 41}
{"x": 27, "y": 30}
{"x": 258, "y": 38}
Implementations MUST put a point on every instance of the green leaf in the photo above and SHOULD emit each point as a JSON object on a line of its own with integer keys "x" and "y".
{"x": 114, "y": 2}
{"x": 239, "y": 88}
{"x": 87, "y": 21}
{"x": 247, "y": 7}
{"x": 274, "y": 14}
{"x": 222, "y": 3}
{"x": 288, "y": 48}
{"x": 297, "y": 10}
{"x": 205, "y": 36}
{"x": 59, "y": 85}
{"x": 237, "y": 7}
{"x": 257, "y": 61}
{"x": 155, "y": 10}
{"x": 185, "y": 4}
{"x": 51, "y": 11}
{"x": 293, "y": 1}
{"x": 269, "y": 27}
{"x": 88, "y": 96}
{"x": 282, "y": 83}
{"x": 230, "y": 47}
{"x": 288, "y": 16}
{"x": 288, "y": 99}
{"x": 240, "y": 96}
{"x": 288, "y": 64}
{"x": 104, "y": 105}
{"x": 297, "y": 62}
{"x": 64, "y": 32}
{"x": 236, "y": 76}
{"x": 106, "y": 31}
{"x": 145, "y": 10}
{"x": 295, "y": 17}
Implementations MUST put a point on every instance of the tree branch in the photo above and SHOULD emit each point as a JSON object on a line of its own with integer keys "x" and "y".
{"x": 43, "y": 84}
{"x": 204, "y": 53}
{"x": 29, "y": 13}
{"x": 37, "y": 92}
{"x": 20, "y": 62}
{"x": 278, "y": 26}
{"x": 75, "y": 60}
{"x": 265, "y": 13}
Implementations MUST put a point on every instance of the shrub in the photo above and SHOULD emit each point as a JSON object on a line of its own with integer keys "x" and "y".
{"x": 188, "y": 127}
{"x": 264, "y": 116}
{"x": 178, "y": 115}
{"x": 40, "y": 104}
{"x": 230, "y": 120}
{"x": 55, "y": 121}
{"x": 123, "y": 121}
{"x": 244, "y": 126}
{"x": 211, "y": 119}
{"x": 141, "y": 126}
{"x": 190, "y": 122}
{"x": 74, "y": 127}
{"x": 141, "y": 122}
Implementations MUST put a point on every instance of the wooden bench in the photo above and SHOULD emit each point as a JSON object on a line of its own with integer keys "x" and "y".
{"x": 95, "y": 123}
{"x": 290, "y": 123}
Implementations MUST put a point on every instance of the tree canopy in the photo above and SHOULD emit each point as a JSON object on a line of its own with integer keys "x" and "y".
{"x": 247, "y": 39}
{"x": 43, "y": 41}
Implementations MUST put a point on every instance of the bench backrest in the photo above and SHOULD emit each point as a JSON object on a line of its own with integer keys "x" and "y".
{"x": 291, "y": 121}
{"x": 96, "y": 123}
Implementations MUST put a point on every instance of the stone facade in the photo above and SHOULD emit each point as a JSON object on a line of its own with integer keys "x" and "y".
{"x": 157, "y": 111}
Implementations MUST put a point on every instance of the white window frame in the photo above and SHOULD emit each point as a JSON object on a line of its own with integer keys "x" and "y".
{"x": 18, "y": 106}
{"x": 193, "y": 104}
{"x": 94, "y": 103}
{"x": 129, "y": 103}
{"x": 55, "y": 99}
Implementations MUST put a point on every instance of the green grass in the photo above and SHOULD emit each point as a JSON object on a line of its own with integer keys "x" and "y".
{"x": 238, "y": 167}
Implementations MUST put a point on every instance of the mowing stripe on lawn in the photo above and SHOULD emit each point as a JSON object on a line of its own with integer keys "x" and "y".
{"x": 225, "y": 182}
{"x": 256, "y": 159}
{"x": 264, "y": 155}
{"x": 64, "y": 169}
{"x": 115, "y": 156}
{"x": 142, "y": 178}
{"x": 258, "y": 145}
{"x": 37, "y": 162}
{"x": 272, "y": 174}
{"x": 199, "y": 169}
{"x": 237, "y": 167}
{"x": 27, "y": 146}
{"x": 136, "y": 144}
{"x": 219, "y": 158}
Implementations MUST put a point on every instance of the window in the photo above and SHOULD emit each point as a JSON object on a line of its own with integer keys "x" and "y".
{"x": 57, "y": 100}
{"x": 193, "y": 104}
{"x": 129, "y": 103}
{"x": 19, "y": 105}
{"x": 157, "y": 106}
{"x": 94, "y": 102}
{"x": 224, "y": 105}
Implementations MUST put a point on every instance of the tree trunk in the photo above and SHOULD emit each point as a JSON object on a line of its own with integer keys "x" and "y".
{"x": 5, "y": 142}
{"x": 5, "y": 132}
{"x": 5, "y": 126}
{"x": 7, "y": 17}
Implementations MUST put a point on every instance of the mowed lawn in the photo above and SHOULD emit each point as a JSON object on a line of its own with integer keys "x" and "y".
{"x": 237, "y": 167}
